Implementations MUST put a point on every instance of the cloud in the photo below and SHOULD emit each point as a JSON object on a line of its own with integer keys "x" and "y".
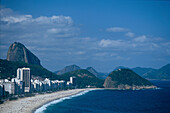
{"x": 130, "y": 34}
{"x": 111, "y": 43}
{"x": 142, "y": 38}
{"x": 116, "y": 29}
{"x": 16, "y": 19}
{"x": 57, "y": 41}
{"x": 25, "y": 26}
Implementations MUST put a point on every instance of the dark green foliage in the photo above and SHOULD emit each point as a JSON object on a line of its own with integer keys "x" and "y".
{"x": 127, "y": 76}
{"x": 83, "y": 78}
{"x": 9, "y": 69}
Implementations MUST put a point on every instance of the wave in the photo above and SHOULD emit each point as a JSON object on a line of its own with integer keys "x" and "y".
{"x": 44, "y": 107}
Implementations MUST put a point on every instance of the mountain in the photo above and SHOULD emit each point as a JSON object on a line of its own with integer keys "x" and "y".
{"x": 83, "y": 78}
{"x": 143, "y": 71}
{"x": 92, "y": 70}
{"x": 8, "y": 69}
{"x": 149, "y": 73}
{"x": 162, "y": 73}
{"x": 68, "y": 69}
{"x": 126, "y": 79}
{"x": 99, "y": 75}
{"x": 18, "y": 52}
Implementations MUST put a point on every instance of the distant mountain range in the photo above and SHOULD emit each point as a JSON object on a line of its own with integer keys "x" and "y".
{"x": 68, "y": 69}
{"x": 149, "y": 73}
{"x": 19, "y": 56}
{"x": 74, "y": 67}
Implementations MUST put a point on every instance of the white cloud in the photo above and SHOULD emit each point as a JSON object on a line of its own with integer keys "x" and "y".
{"x": 17, "y": 19}
{"x": 111, "y": 43}
{"x": 5, "y": 11}
{"x": 130, "y": 34}
{"x": 20, "y": 25}
{"x": 61, "y": 20}
{"x": 116, "y": 29}
{"x": 60, "y": 30}
{"x": 142, "y": 38}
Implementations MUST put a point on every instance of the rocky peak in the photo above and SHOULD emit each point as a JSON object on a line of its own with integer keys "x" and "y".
{"x": 18, "y": 52}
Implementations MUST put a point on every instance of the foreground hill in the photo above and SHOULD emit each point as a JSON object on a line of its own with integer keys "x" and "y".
{"x": 18, "y": 52}
{"x": 126, "y": 79}
{"x": 83, "y": 78}
{"x": 67, "y": 69}
{"x": 8, "y": 69}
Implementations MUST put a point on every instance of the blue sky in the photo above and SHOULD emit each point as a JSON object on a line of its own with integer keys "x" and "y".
{"x": 98, "y": 33}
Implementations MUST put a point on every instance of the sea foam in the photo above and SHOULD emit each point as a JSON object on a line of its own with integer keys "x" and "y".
{"x": 44, "y": 107}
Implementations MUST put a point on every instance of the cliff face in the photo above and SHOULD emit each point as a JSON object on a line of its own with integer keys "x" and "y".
{"x": 18, "y": 52}
{"x": 126, "y": 79}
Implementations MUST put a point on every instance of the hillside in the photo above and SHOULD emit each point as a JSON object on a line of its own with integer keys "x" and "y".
{"x": 162, "y": 73}
{"x": 83, "y": 78}
{"x": 142, "y": 71}
{"x": 149, "y": 73}
{"x": 68, "y": 69}
{"x": 92, "y": 70}
{"x": 8, "y": 69}
{"x": 125, "y": 79}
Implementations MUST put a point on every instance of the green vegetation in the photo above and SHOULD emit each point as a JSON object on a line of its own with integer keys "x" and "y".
{"x": 8, "y": 69}
{"x": 127, "y": 76}
{"x": 83, "y": 78}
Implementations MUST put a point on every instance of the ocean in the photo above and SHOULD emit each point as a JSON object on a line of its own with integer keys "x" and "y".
{"x": 114, "y": 101}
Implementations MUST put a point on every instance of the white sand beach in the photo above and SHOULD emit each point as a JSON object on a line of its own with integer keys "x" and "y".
{"x": 29, "y": 104}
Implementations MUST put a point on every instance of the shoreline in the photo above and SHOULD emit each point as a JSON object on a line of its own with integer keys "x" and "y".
{"x": 58, "y": 99}
{"x": 31, "y": 104}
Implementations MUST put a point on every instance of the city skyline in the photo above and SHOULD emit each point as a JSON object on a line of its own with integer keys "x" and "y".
{"x": 89, "y": 33}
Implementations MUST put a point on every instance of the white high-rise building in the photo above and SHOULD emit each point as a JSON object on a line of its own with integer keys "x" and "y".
{"x": 72, "y": 80}
{"x": 23, "y": 74}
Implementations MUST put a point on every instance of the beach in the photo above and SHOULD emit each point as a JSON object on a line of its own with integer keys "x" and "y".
{"x": 30, "y": 104}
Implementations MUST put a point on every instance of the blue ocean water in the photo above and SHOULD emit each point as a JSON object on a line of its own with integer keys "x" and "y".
{"x": 111, "y": 101}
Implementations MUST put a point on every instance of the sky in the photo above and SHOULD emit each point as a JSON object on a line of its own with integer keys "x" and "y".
{"x": 102, "y": 34}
